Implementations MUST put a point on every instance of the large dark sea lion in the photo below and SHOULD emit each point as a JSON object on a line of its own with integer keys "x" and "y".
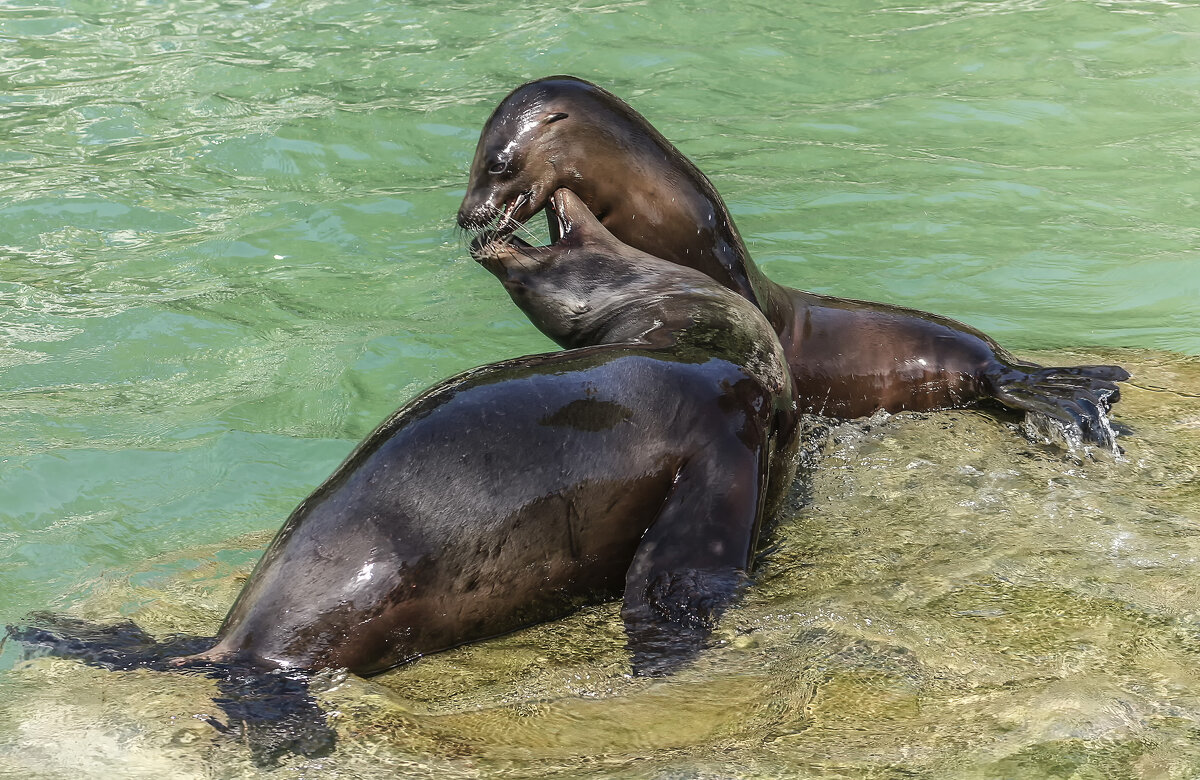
{"x": 848, "y": 358}
{"x": 639, "y": 463}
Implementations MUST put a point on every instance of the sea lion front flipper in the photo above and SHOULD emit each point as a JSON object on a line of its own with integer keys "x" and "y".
{"x": 1074, "y": 399}
{"x": 693, "y": 560}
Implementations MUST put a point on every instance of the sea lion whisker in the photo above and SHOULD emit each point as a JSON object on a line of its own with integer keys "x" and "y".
{"x": 507, "y": 220}
{"x": 528, "y": 234}
{"x": 466, "y": 235}
{"x": 497, "y": 238}
{"x": 505, "y": 231}
{"x": 523, "y": 257}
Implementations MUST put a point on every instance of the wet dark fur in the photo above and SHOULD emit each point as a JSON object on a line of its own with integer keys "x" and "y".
{"x": 848, "y": 358}
{"x": 271, "y": 712}
{"x": 638, "y": 464}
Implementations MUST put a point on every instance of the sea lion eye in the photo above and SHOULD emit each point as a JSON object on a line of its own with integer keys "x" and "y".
{"x": 498, "y": 166}
{"x": 554, "y": 117}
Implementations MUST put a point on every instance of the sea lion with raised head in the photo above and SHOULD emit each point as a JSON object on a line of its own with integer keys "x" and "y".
{"x": 641, "y": 462}
{"x": 848, "y": 358}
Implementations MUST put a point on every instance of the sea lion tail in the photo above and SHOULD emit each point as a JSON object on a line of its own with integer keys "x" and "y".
{"x": 271, "y": 710}
{"x": 1067, "y": 404}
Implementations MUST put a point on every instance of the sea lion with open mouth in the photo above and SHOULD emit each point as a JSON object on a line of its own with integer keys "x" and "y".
{"x": 639, "y": 463}
{"x": 848, "y": 358}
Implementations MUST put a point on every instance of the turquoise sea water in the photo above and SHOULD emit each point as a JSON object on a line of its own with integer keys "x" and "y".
{"x": 227, "y": 251}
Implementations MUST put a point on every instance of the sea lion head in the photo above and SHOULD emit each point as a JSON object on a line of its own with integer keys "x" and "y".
{"x": 546, "y": 134}
{"x": 588, "y": 288}
{"x": 570, "y": 287}
{"x": 563, "y": 132}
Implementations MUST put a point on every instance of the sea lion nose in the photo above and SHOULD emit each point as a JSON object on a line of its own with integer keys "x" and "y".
{"x": 464, "y": 213}
{"x": 475, "y": 212}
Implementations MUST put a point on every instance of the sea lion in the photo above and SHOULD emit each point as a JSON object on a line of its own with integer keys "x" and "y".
{"x": 640, "y": 462}
{"x": 848, "y": 358}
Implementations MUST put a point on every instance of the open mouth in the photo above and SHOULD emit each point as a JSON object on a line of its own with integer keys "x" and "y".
{"x": 505, "y": 221}
{"x": 508, "y": 222}
{"x": 499, "y": 234}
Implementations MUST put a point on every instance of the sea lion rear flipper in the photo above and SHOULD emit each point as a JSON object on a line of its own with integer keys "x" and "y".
{"x": 118, "y": 646}
{"x": 273, "y": 712}
{"x": 1071, "y": 403}
{"x": 693, "y": 560}
{"x": 270, "y": 710}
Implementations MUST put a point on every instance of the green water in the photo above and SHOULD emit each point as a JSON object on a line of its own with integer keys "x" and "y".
{"x": 227, "y": 251}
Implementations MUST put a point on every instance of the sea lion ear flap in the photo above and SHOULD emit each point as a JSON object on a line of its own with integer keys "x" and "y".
{"x": 551, "y": 118}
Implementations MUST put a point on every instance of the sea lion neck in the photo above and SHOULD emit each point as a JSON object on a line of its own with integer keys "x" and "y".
{"x": 651, "y": 196}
